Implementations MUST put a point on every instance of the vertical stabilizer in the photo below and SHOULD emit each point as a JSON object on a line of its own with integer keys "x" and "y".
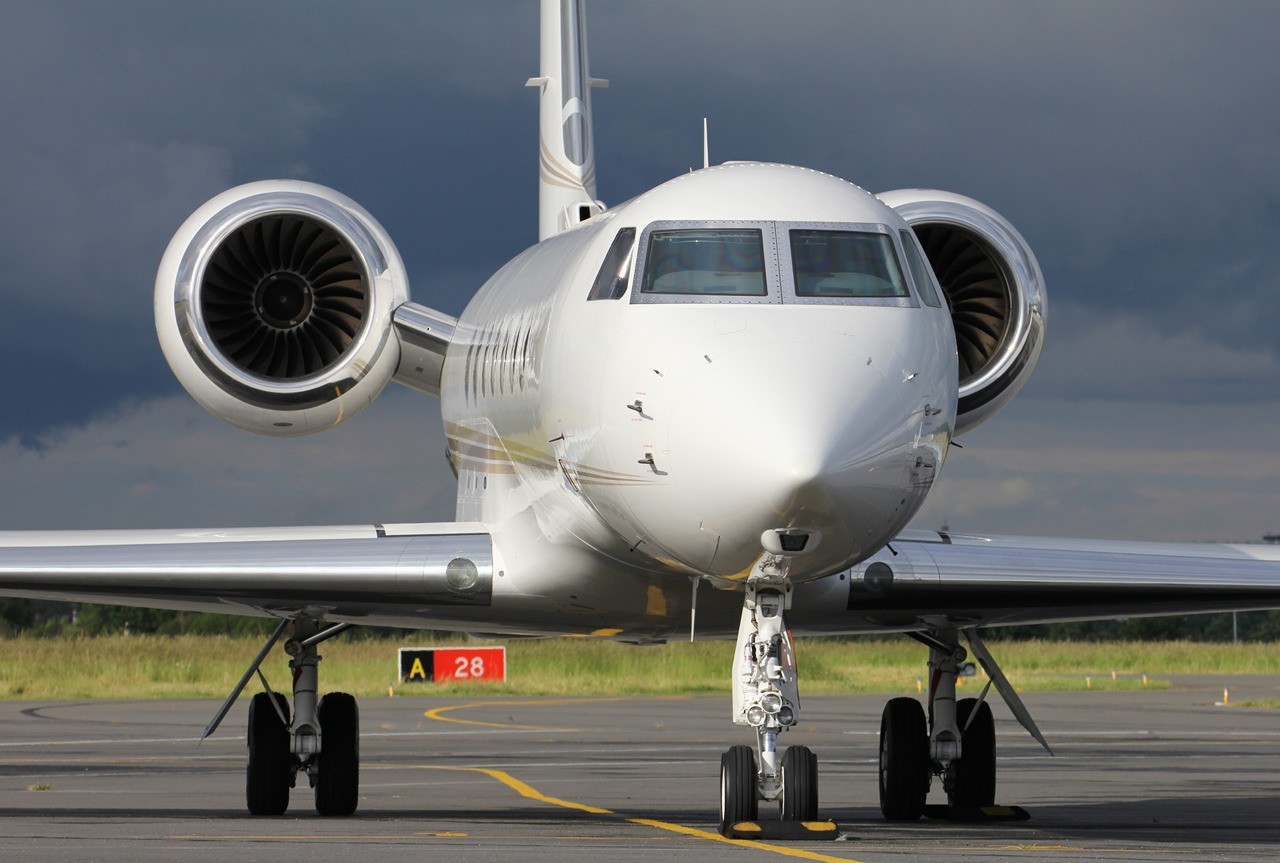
{"x": 566, "y": 157}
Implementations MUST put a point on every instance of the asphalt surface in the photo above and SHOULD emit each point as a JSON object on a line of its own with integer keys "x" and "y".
{"x": 1147, "y": 775}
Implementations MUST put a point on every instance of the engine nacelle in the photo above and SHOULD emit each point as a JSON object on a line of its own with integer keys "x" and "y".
{"x": 274, "y": 306}
{"x": 994, "y": 288}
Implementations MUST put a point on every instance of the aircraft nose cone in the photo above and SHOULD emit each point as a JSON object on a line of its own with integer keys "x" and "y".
{"x": 812, "y": 434}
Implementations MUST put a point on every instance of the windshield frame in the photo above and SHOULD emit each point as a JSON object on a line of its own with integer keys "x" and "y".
{"x": 787, "y": 265}
{"x": 768, "y": 260}
{"x": 778, "y": 263}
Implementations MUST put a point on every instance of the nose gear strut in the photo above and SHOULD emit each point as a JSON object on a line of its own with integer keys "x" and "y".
{"x": 766, "y": 696}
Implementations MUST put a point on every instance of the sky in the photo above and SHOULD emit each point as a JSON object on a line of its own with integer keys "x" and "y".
{"x": 1133, "y": 144}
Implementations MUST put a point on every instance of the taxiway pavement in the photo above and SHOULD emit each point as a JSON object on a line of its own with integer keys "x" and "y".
{"x": 1147, "y": 775}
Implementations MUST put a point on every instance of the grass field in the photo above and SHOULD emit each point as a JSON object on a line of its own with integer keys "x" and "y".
{"x": 136, "y": 666}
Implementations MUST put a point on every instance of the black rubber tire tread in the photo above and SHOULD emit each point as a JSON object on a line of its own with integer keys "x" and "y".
{"x": 738, "y": 801}
{"x": 904, "y": 760}
{"x": 269, "y": 774}
{"x": 799, "y": 784}
{"x": 338, "y": 777}
{"x": 974, "y": 781}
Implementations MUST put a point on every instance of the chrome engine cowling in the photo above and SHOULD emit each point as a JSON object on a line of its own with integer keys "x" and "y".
{"x": 274, "y": 306}
{"x": 994, "y": 288}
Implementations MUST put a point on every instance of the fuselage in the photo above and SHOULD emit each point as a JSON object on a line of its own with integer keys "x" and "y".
{"x": 746, "y": 348}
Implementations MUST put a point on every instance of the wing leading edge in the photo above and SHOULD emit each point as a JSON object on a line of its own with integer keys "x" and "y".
{"x": 364, "y": 574}
{"x": 1003, "y": 580}
{"x": 443, "y": 574}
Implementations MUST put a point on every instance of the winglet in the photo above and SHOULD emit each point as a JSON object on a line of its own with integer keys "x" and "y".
{"x": 566, "y": 147}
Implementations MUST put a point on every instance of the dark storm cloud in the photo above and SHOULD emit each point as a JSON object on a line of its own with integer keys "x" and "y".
{"x": 122, "y": 118}
{"x": 1133, "y": 144}
{"x": 162, "y": 463}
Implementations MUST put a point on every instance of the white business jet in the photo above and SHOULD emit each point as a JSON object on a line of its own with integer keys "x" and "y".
{"x": 710, "y": 411}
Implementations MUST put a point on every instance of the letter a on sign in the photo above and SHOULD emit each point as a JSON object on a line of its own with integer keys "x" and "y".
{"x": 417, "y": 664}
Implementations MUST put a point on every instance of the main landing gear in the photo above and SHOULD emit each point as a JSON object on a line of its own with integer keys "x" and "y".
{"x": 322, "y": 740}
{"x": 955, "y": 741}
{"x": 766, "y": 697}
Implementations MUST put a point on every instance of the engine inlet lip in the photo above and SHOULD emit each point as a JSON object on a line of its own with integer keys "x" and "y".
{"x": 1020, "y": 278}
{"x": 354, "y": 227}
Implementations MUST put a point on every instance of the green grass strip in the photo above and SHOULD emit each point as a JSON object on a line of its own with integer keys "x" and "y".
{"x": 189, "y": 666}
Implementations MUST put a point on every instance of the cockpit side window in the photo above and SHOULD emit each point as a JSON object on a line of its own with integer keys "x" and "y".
{"x": 706, "y": 262}
{"x": 845, "y": 264}
{"x": 921, "y": 272}
{"x": 615, "y": 273}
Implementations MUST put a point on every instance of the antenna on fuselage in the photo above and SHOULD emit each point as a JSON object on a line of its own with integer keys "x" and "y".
{"x": 706, "y": 146}
{"x": 566, "y": 148}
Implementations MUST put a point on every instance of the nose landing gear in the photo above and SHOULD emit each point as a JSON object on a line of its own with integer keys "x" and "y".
{"x": 766, "y": 697}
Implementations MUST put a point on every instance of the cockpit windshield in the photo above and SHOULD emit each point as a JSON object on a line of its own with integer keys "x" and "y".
{"x": 762, "y": 262}
{"x": 845, "y": 264}
{"x": 706, "y": 261}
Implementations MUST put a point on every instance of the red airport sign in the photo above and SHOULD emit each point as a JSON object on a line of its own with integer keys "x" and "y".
{"x": 446, "y": 664}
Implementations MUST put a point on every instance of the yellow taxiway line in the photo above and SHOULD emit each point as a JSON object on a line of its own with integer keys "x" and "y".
{"x": 526, "y": 790}
{"x": 438, "y": 713}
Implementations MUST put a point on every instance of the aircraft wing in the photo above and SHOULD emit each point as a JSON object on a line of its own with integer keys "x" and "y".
{"x": 373, "y": 573}
{"x": 409, "y": 573}
{"x": 1001, "y": 580}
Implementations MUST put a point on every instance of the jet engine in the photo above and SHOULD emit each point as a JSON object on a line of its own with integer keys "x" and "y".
{"x": 994, "y": 288}
{"x": 274, "y": 305}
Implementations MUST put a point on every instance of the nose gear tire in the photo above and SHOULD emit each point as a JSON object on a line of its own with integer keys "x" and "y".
{"x": 738, "y": 801}
{"x": 799, "y": 784}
